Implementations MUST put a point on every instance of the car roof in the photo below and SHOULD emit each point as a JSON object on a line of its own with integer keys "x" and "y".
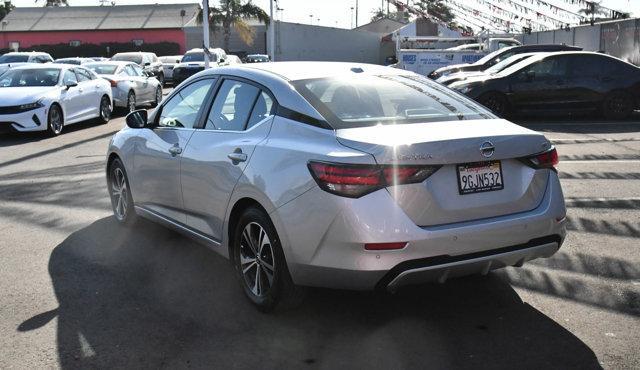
{"x": 308, "y": 70}
{"x": 111, "y": 62}
{"x": 45, "y": 66}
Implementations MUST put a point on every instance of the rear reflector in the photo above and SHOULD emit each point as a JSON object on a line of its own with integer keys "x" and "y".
{"x": 384, "y": 246}
{"x": 356, "y": 180}
{"x": 547, "y": 159}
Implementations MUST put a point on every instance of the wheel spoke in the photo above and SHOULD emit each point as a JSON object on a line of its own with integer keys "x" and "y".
{"x": 247, "y": 237}
{"x": 257, "y": 283}
{"x": 268, "y": 271}
{"x": 249, "y": 266}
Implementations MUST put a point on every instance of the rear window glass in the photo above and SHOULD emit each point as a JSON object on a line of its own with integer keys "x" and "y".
{"x": 193, "y": 57}
{"x": 102, "y": 69}
{"x": 359, "y": 101}
{"x": 135, "y": 58}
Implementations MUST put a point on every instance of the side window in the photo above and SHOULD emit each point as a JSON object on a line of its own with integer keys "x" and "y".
{"x": 86, "y": 72}
{"x": 69, "y": 78}
{"x": 137, "y": 70}
{"x": 232, "y": 106}
{"x": 82, "y": 75}
{"x": 261, "y": 109}
{"x": 129, "y": 70}
{"x": 182, "y": 109}
{"x": 548, "y": 68}
{"x": 589, "y": 67}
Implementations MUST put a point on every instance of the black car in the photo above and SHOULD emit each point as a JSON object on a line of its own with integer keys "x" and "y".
{"x": 149, "y": 62}
{"x": 498, "y": 56}
{"x": 562, "y": 82}
{"x": 256, "y": 58}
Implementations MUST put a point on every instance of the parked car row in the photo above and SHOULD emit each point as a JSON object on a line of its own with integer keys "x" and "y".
{"x": 517, "y": 81}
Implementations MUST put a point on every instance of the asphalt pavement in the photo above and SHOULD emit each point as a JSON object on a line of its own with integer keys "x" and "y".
{"x": 79, "y": 291}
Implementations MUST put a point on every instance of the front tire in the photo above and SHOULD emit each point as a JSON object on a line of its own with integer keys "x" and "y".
{"x": 105, "y": 110}
{"x": 55, "y": 121}
{"x": 260, "y": 264}
{"x": 120, "y": 193}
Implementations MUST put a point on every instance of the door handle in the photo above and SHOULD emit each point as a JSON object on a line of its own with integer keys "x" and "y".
{"x": 237, "y": 156}
{"x": 175, "y": 150}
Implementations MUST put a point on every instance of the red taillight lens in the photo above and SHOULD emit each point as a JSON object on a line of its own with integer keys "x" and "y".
{"x": 384, "y": 246}
{"x": 355, "y": 180}
{"x": 547, "y": 159}
{"x": 113, "y": 83}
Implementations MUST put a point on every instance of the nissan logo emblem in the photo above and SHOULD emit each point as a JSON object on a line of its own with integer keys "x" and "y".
{"x": 487, "y": 149}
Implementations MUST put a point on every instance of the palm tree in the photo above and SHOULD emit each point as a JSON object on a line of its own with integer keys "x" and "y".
{"x": 51, "y": 3}
{"x": 234, "y": 13}
{"x": 5, "y": 8}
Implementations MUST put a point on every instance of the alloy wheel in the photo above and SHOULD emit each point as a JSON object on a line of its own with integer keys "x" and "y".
{"x": 158, "y": 95}
{"x": 105, "y": 109}
{"x": 131, "y": 102}
{"x": 257, "y": 259}
{"x": 119, "y": 193}
{"x": 55, "y": 120}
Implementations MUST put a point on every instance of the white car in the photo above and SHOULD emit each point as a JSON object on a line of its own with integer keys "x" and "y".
{"x": 168, "y": 62}
{"x": 14, "y": 59}
{"x": 48, "y": 97}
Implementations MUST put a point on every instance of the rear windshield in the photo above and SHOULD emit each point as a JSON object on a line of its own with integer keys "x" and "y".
{"x": 135, "y": 58}
{"x": 30, "y": 77}
{"x": 365, "y": 100}
{"x": 503, "y": 53}
{"x": 68, "y": 61}
{"x": 14, "y": 58}
{"x": 506, "y": 63}
{"x": 102, "y": 69}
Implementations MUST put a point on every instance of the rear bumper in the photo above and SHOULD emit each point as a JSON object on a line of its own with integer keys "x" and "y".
{"x": 440, "y": 268}
{"x": 323, "y": 238}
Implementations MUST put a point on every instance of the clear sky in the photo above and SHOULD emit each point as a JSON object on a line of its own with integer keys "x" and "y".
{"x": 333, "y": 13}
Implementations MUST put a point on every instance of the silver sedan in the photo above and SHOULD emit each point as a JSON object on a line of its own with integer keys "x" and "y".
{"x": 338, "y": 175}
{"x": 130, "y": 86}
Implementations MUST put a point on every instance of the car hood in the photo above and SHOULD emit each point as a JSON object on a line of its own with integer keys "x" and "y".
{"x": 10, "y": 96}
{"x": 460, "y": 76}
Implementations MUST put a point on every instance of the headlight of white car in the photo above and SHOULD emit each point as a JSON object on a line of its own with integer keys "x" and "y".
{"x": 30, "y": 106}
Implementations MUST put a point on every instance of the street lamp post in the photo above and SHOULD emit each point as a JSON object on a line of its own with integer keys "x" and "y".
{"x": 205, "y": 32}
{"x": 272, "y": 33}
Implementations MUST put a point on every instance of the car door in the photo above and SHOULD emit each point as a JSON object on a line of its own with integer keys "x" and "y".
{"x": 86, "y": 95}
{"x": 145, "y": 89}
{"x": 92, "y": 90}
{"x": 217, "y": 154}
{"x": 71, "y": 97}
{"x": 156, "y": 168}
{"x": 541, "y": 86}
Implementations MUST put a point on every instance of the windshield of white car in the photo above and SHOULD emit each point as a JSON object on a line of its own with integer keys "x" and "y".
{"x": 30, "y": 77}
{"x": 14, "y": 58}
{"x": 102, "y": 69}
{"x": 135, "y": 58}
{"x": 365, "y": 100}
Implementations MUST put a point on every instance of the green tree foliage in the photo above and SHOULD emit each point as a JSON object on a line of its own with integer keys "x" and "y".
{"x": 234, "y": 13}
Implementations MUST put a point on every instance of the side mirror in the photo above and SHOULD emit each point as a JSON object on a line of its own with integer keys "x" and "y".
{"x": 137, "y": 119}
{"x": 71, "y": 84}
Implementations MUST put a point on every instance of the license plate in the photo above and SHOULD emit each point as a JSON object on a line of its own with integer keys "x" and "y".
{"x": 479, "y": 177}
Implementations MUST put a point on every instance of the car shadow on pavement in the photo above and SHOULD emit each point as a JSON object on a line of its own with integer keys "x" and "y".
{"x": 146, "y": 297}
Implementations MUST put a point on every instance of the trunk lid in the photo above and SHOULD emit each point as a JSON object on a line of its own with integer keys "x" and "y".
{"x": 437, "y": 200}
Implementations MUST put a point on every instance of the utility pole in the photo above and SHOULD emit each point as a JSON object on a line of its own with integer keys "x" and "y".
{"x": 205, "y": 30}
{"x": 351, "y": 18}
{"x": 272, "y": 33}
{"x": 356, "y": 13}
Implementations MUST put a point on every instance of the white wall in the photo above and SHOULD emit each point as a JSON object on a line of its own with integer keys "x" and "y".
{"x": 305, "y": 42}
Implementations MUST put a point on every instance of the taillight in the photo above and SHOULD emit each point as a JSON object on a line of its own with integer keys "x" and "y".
{"x": 384, "y": 246}
{"x": 113, "y": 83}
{"x": 547, "y": 159}
{"x": 356, "y": 180}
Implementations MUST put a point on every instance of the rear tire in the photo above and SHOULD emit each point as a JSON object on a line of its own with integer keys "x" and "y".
{"x": 260, "y": 264}
{"x": 131, "y": 102}
{"x": 158, "y": 98}
{"x": 496, "y": 102}
{"x": 120, "y": 193}
{"x": 617, "y": 105}
{"x": 161, "y": 79}
{"x": 55, "y": 121}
